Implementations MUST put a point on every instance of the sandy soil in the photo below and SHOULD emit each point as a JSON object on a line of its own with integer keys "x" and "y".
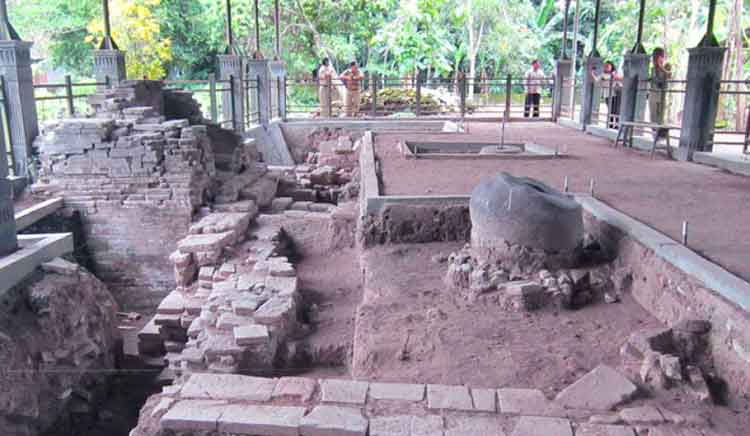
{"x": 412, "y": 327}
{"x": 660, "y": 192}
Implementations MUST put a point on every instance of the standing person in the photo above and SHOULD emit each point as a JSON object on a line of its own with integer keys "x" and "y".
{"x": 352, "y": 79}
{"x": 611, "y": 83}
{"x": 534, "y": 80}
{"x": 661, "y": 72}
{"x": 326, "y": 73}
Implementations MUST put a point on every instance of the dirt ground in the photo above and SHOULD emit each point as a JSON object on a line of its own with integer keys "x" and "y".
{"x": 659, "y": 192}
{"x": 411, "y": 327}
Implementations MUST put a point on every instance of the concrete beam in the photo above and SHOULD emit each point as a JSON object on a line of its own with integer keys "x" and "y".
{"x": 34, "y": 251}
{"x": 29, "y": 216}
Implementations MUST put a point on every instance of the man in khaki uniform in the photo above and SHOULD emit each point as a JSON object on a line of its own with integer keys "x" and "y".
{"x": 326, "y": 73}
{"x": 352, "y": 79}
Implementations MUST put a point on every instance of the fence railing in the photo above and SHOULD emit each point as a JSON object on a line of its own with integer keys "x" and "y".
{"x": 476, "y": 99}
{"x": 57, "y": 100}
{"x": 732, "y": 128}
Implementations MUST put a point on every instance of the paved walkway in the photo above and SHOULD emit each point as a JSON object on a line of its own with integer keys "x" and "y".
{"x": 659, "y": 192}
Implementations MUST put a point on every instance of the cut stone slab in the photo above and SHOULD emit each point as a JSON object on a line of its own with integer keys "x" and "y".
{"x": 642, "y": 415}
{"x": 61, "y": 266}
{"x": 538, "y": 426}
{"x": 391, "y": 426}
{"x": 334, "y": 421}
{"x": 173, "y": 304}
{"x": 285, "y": 285}
{"x": 444, "y": 397}
{"x": 601, "y": 389}
{"x": 344, "y": 391}
{"x": 274, "y": 311}
{"x": 253, "y": 334}
{"x": 397, "y": 391}
{"x": 604, "y": 430}
{"x": 682, "y": 431}
{"x": 484, "y": 400}
{"x": 430, "y": 425}
{"x": 205, "y": 242}
{"x": 522, "y": 401}
{"x": 295, "y": 387}
{"x": 228, "y": 387}
{"x": 193, "y": 415}
{"x": 265, "y": 420}
{"x": 478, "y": 426}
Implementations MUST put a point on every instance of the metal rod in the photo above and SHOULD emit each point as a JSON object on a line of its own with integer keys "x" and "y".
{"x": 591, "y": 186}
{"x": 594, "y": 50}
{"x": 107, "y": 26}
{"x": 684, "y": 233}
{"x": 564, "y": 54}
{"x": 638, "y": 48}
{"x": 510, "y": 199}
{"x": 257, "y": 27}
{"x": 576, "y": 24}
{"x": 232, "y": 102}
{"x": 69, "y": 95}
{"x": 230, "y": 36}
{"x": 566, "y": 184}
{"x": 711, "y": 16}
{"x": 212, "y": 90}
{"x": 418, "y": 110}
{"x": 277, "y": 23}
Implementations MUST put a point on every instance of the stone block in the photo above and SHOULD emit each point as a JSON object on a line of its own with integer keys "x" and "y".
{"x": 228, "y": 321}
{"x": 442, "y": 397}
{"x": 194, "y": 415}
{"x": 478, "y": 426}
{"x": 299, "y": 388}
{"x": 484, "y": 400}
{"x": 173, "y": 304}
{"x": 391, "y": 426}
{"x": 648, "y": 415}
{"x": 61, "y": 266}
{"x": 604, "y": 430}
{"x": 228, "y": 387}
{"x": 344, "y": 391}
{"x": 539, "y": 426}
{"x": 286, "y": 286}
{"x": 277, "y": 311}
{"x": 281, "y": 204}
{"x": 429, "y": 425}
{"x": 334, "y": 421}
{"x": 261, "y": 420}
{"x": 246, "y": 305}
{"x": 522, "y": 401}
{"x": 397, "y": 391}
{"x": 247, "y": 335}
{"x": 200, "y": 243}
{"x": 601, "y": 389}
{"x": 523, "y": 295}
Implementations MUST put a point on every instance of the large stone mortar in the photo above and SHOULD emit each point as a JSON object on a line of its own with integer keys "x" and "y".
{"x": 510, "y": 212}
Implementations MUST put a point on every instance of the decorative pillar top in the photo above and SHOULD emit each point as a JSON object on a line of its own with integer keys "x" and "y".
{"x": 107, "y": 43}
{"x": 638, "y": 48}
{"x": 231, "y": 47}
{"x": 7, "y": 32}
{"x": 594, "y": 49}
{"x": 709, "y": 39}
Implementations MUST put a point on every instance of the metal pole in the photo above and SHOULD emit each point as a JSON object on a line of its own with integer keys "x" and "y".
{"x": 684, "y": 233}
{"x": 374, "y": 108}
{"x": 591, "y": 187}
{"x": 230, "y": 36}
{"x": 594, "y": 50}
{"x": 709, "y": 40}
{"x": 107, "y": 26}
{"x": 231, "y": 98}
{"x": 212, "y": 96}
{"x": 284, "y": 115}
{"x": 508, "y": 91}
{"x": 565, "y": 184}
{"x": 277, "y": 19}
{"x": 6, "y": 127}
{"x": 257, "y": 95}
{"x": 576, "y": 23}
{"x": 639, "y": 39}
{"x": 69, "y": 95}
{"x": 610, "y": 100}
{"x": 330, "y": 97}
{"x": 565, "y": 31}
{"x": 418, "y": 110}
{"x": 462, "y": 92}
{"x": 257, "y": 27}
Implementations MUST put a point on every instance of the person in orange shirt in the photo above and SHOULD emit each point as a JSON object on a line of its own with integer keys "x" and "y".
{"x": 352, "y": 79}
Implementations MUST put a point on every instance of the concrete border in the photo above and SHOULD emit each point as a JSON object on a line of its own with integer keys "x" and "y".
{"x": 732, "y": 163}
{"x": 531, "y": 151}
{"x": 397, "y": 125}
{"x": 31, "y": 215}
{"x": 715, "y": 277}
{"x": 35, "y": 250}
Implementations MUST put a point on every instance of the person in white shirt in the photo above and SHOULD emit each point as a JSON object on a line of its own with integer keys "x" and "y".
{"x": 326, "y": 73}
{"x": 534, "y": 80}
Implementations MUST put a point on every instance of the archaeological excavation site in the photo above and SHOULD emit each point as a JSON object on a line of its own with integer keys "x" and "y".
{"x": 206, "y": 258}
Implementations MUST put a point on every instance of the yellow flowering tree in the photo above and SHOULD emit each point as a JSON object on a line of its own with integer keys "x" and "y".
{"x": 137, "y": 30}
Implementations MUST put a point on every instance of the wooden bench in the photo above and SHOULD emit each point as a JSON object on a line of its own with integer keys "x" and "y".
{"x": 625, "y": 135}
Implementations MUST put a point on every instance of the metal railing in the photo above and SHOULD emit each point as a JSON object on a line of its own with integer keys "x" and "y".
{"x": 434, "y": 98}
{"x": 571, "y": 108}
{"x": 5, "y": 120}
{"x": 212, "y": 94}
{"x": 57, "y": 100}
{"x": 733, "y": 117}
{"x": 605, "y": 111}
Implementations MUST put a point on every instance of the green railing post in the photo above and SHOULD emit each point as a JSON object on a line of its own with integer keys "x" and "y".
{"x": 374, "y": 108}
{"x": 6, "y": 127}
{"x": 508, "y": 92}
{"x": 462, "y": 94}
{"x": 212, "y": 97}
{"x": 69, "y": 95}
{"x": 232, "y": 100}
{"x": 418, "y": 110}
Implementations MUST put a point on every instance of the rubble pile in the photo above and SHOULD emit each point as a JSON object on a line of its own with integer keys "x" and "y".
{"x": 58, "y": 340}
{"x": 237, "y": 300}
{"x": 313, "y": 188}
